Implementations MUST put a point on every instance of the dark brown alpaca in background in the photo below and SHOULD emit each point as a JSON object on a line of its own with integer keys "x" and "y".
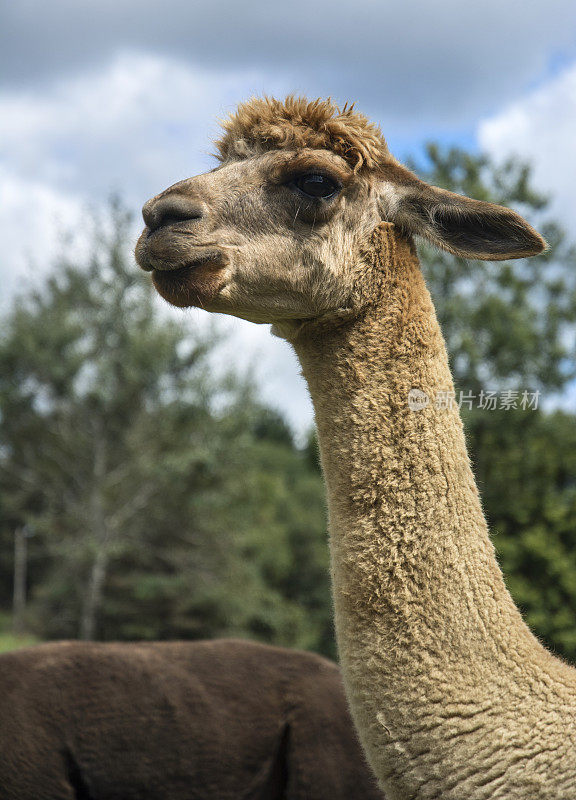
{"x": 222, "y": 720}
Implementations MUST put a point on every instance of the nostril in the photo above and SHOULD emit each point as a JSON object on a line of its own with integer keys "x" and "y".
{"x": 170, "y": 210}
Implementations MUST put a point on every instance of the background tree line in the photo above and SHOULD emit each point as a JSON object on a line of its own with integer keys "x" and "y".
{"x": 165, "y": 502}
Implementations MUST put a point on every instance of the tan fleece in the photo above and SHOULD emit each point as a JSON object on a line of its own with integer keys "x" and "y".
{"x": 453, "y": 696}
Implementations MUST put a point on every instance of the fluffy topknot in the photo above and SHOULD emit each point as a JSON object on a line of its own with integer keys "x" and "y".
{"x": 263, "y": 124}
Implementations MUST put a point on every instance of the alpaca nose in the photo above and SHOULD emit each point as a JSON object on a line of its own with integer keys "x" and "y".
{"x": 170, "y": 209}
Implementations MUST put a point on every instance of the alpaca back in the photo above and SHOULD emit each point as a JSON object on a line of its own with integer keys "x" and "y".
{"x": 206, "y": 720}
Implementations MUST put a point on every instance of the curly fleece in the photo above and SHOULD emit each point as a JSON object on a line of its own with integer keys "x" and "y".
{"x": 263, "y": 124}
{"x": 452, "y": 695}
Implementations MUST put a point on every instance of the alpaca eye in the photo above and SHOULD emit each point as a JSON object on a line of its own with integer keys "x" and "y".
{"x": 316, "y": 185}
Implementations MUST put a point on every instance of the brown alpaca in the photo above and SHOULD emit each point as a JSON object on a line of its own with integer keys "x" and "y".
{"x": 223, "y": 720}
{"x": 307, "y": 223}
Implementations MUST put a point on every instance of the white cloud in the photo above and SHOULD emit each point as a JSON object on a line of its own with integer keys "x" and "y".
{"x": 34, "y": 218}
{"x": 133, "y": 127}
{"x": 251, "y": 349}
{"x": 410, "y": 61}
{"x": 273, "y": 364}
{"x": 541, "y": 128}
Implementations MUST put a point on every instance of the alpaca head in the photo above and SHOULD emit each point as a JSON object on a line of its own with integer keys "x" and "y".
{"x": 278, "y": 230}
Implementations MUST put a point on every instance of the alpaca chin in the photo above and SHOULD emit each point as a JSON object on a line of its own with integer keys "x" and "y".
{"x": 190, "y": 286}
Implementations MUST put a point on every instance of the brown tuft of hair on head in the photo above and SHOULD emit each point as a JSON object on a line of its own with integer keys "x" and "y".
{"x": 263, "y": 124}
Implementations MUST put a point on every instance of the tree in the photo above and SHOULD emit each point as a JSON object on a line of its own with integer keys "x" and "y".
{"x": 525, "y": 463}
{"x": 160, "y": 495}
{"x": 86, "y": 367}
{"x": 261, "y": 510}
{"x": 511, "y": 326}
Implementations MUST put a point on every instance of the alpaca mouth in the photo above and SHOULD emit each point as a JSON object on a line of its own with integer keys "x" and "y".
{"x": 183, "y": 273}
{"x": 197, "y": 283}
{"x": 166, "y": 254}
{"x": 214, "y": 257}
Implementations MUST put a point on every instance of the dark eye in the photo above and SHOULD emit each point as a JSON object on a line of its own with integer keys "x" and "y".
{"x": 316, "y": 185}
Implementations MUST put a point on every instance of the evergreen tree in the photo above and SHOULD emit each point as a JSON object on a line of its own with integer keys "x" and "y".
{"x": 506, "y": 324}
{"x": 156, "y": 515}
{"x": 510, "y": 326}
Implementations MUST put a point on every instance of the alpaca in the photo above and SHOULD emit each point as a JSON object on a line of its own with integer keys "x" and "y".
{"x": 307, "y": 223}
{"x": 220, "y": 720}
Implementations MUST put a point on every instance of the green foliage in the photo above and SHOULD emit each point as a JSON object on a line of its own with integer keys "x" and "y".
{"x": 165, "y": 502}
{"x": 254, "y": 521}
{"x": 8, "y": 640}
{"x": 525, "y": 463}
{"x": 511, "y": 325}
{"x": 507, "y": 323}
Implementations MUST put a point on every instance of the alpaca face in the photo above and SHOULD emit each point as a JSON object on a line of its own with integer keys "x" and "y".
{"x": 277, "y": 232}
{"x": 267, "y": 238}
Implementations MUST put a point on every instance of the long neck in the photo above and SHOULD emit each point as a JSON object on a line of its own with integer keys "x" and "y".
{"x": 452, "y": 695}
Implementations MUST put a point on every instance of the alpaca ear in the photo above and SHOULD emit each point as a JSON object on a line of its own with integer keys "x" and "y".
{"x": 465, "y": 227}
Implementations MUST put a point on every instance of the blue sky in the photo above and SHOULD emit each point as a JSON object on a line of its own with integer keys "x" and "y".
{"x": 122, "y": 96}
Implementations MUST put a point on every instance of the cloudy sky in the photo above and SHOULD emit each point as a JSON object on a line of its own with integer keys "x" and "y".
{"x": 102, "y": 96}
